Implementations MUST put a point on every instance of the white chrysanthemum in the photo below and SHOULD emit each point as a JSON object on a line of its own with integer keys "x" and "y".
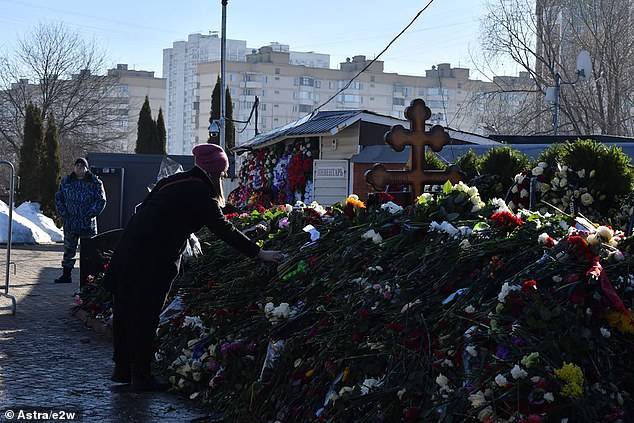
{"x": 500, "y": 380}
{"x": 518, "y": 373}
{"x": 477, "y": 399}
{"x": 442, "y": 380}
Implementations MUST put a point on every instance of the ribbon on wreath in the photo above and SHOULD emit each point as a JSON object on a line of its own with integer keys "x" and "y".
{"x": 622, "y": 318}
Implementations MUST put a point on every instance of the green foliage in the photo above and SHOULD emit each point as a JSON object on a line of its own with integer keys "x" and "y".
{"x": 613, "y": 174}
{"x": 504, "y": 163}
{"x": 468, "y": 163}
{"x": 147, "y": 134}
{"x": 230, "y": 130}
{"x": 432, "y": 162}
{"x": 30, "y": 153}
{"x": 552, "y": 155}
{"x": 162, "y": 133}
{"x": 51, "y": 168}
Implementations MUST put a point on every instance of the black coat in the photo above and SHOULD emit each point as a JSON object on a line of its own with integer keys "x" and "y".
{"x": 147, "y": 257}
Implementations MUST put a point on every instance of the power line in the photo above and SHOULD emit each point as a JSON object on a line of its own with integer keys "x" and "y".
{"x": 375, "y": 59}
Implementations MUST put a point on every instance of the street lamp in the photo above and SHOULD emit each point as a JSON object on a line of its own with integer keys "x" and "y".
{"x": 223, "y": 65}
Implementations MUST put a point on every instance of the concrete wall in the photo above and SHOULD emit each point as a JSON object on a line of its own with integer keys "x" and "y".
{"x": 126, "y": 178}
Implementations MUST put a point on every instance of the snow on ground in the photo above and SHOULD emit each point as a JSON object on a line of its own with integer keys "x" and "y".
{"x": 29, "y": 225}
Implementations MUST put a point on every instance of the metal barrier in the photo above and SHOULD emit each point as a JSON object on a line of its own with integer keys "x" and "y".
{"x": 10, "y": 231}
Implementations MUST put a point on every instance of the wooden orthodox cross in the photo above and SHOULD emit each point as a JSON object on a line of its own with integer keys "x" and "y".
{"x": 398, "y": 137}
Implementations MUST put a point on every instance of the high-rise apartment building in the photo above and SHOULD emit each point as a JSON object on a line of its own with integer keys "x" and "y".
{"x": 132, "y": 88}
{"x": 180, "y": 69}
{"x": 287, "y": 92}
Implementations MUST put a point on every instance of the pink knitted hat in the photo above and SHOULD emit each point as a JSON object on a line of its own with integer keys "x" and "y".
{"x": 211, "y": 157}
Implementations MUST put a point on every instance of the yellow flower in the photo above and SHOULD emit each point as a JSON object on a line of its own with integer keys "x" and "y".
{"x": 572, "y": 377}
{"x": 310, "y": 373}
{"x": 346, "y": 372}
{"x": 621, "y": 320}
{"x": 355, "y": 202}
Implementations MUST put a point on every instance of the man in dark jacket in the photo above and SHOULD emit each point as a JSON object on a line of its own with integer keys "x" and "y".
{"x": 79, "y": 200}
{"x": 147, "y": 258}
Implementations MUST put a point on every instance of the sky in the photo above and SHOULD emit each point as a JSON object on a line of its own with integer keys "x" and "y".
{"x": 136, "y": 31}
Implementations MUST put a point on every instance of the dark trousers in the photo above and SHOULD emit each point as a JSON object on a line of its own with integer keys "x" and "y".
{"x": 134, "y": 332}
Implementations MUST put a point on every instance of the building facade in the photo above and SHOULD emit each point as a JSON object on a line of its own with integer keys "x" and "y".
{"x": 132, "y": 88}
{"x": 287, "y": 92}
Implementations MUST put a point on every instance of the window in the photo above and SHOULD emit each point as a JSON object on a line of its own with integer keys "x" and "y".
{"x": 372, "y": 78}
{"x": 350, "y": 98}
{"x": 277, "y": 71}
{"x": 398, "y": 101}
{"x": 317, "y": 84}
{"x": 305, "y": 108}
{"x": 306, "y": 81}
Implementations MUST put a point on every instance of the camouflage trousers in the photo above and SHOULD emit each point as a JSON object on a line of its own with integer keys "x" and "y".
{"x": 71, "y": 240}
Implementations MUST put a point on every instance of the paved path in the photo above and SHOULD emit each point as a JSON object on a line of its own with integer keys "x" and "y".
{"x": 51, "y": 361}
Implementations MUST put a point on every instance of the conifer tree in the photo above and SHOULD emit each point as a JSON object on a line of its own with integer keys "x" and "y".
{"x": 230, "y": 132}
{"x": 51, "y": 172}
{"x": 146, "y": 130}
{"x": 215, "y": 109}
{"x": 30, "y": 153}
{"x": 161, "y": 132}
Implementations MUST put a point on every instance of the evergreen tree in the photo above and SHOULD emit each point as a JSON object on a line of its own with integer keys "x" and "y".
{"x": 162, "y": 133}
{"x": 215, "y": 109}
{"x": 51, "y": 168}
{"x": 146, "y": 130}
{"x": 230, "y": 128}
{"x": 230, "y": 131}
{"x": 30, "y": 153}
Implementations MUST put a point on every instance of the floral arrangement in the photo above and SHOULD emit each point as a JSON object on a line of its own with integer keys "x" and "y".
{"x": 384, "y": 313}
{"x": 278, "y": 174}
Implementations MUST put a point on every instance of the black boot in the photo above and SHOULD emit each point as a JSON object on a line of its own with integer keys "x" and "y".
{"x": 66, "y": 276}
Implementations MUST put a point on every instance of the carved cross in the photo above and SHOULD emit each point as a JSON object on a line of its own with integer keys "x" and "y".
{"x": 398, "y": 137}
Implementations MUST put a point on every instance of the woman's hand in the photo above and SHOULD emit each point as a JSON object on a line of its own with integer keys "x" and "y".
{"x": 272, "y": 255}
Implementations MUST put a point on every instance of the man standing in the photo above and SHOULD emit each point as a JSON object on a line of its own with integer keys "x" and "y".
{"x": 79, "y": 200}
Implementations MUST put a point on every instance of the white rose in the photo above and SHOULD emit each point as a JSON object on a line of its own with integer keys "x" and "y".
{"x": 469, "y": 309}
{"x": 548, "y": 396}
{"x": 563, "y": 182}
{"x": 538, "y": 171}
{"x": 592, "y": 173}
{"x": 581, "y": 173}
{"x": 523, "y": 193}
{"x": 514, "y": 189}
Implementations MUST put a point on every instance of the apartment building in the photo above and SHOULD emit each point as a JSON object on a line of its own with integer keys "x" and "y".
{"x": 184, "y": 95}
{"x": 132, "y": 88}
{"x": 287, "y": 92}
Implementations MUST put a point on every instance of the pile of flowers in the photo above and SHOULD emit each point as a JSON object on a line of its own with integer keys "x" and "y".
{"x": 447, "y": 310}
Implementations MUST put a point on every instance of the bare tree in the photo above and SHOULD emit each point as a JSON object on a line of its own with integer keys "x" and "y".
{"x": 58, "y": 70}
{"x": 543, "y": 37}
